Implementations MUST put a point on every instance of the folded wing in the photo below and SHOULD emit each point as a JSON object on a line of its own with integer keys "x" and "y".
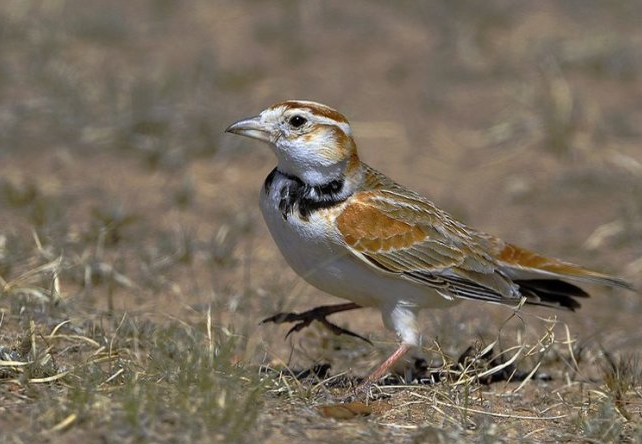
{"x": 402, "y": 233}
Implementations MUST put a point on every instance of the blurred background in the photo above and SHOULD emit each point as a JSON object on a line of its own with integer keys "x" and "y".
{"x": 521, "y": 118}
{"x": 135, "y": 265}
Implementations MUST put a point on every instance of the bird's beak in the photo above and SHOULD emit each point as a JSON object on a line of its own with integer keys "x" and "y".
{"x": 251, "y": 127}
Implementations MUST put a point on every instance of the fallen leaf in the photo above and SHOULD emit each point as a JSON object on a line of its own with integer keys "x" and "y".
{"x": 347, "y": 410}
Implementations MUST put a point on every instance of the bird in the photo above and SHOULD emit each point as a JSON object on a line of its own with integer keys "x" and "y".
{"x": 354, "y": 233}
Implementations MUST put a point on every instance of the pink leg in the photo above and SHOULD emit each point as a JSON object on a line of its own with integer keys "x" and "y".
{"x": 385, "y": 366}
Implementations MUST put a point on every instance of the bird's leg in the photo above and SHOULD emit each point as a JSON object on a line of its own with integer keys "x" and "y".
{"x": 363, "y": 389}
{"x": 385, "y": 366}
{"x": 305, "y": 318}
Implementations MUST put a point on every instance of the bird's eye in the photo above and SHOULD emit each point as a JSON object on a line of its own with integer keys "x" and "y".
{"x": 297, "y": 121}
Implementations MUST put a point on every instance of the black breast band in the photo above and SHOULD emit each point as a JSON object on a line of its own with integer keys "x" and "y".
{"x": 296, "y": 195}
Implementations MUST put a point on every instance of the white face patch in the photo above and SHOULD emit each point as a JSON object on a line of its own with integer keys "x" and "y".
{"x": 309, "y": 149}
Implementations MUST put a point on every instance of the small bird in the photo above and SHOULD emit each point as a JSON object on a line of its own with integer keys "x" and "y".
{"x": 352, "y": 232}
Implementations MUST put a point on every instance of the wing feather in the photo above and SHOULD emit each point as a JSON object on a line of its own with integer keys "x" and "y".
{"x": 400, "y": 232}
{"x": 397, "y": 231}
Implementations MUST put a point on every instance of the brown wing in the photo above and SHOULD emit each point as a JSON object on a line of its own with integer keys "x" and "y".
{"x": 399, "y": 232}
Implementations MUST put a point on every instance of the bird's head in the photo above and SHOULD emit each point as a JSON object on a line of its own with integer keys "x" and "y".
{"x": 311, "y": 141}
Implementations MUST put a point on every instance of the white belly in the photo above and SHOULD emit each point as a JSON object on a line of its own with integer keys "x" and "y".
{"x": 314, "y": 249}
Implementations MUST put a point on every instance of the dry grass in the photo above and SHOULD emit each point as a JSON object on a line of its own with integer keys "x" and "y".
{"x": 134, "y": 266}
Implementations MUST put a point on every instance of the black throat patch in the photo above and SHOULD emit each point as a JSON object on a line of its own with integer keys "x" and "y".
{"x": 296, "y": 195}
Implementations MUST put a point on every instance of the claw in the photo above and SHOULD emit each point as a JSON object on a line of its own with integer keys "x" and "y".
{"x": 305, "y": 318}
{"x": 280, "y": 318}
{"x": 298, "y": 327}
{"x": 334, "y": 328}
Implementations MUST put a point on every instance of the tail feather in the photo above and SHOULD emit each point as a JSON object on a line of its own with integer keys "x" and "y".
{"x": 551, "y": 293}
{"x": 602, "y": 279}
{"x": 553, "y": 287}
{"x": 521, "y": 264}
{"x": 570, "y": 273}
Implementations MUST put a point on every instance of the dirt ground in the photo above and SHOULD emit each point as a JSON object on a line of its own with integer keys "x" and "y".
{"x": 135, "y": 265}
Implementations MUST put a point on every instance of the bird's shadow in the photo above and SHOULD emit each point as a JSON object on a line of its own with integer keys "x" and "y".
{"x": 420, "y": 372}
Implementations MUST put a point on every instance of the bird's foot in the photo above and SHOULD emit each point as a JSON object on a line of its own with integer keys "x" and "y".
{"x": 304, "y": 319}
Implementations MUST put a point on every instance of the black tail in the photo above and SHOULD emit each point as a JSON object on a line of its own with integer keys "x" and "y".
{"x": 551, "y": 293}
